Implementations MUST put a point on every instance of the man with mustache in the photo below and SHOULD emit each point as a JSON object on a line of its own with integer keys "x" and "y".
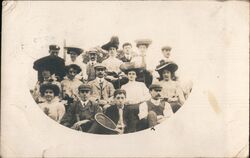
{"x": 90, "y": 68}
{"x": 102, "y": 90}
{"x": 153, "y": 111}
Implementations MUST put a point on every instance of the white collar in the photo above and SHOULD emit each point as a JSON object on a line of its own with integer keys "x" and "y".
{"x": 155, "y": 102}
{"x": 127, "y": 56}
{"x": 84, "y": 103}
{"x": 92, "y": 62}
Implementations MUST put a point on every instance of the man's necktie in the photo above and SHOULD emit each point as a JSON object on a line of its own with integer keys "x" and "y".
{"x": 101, "y": 86}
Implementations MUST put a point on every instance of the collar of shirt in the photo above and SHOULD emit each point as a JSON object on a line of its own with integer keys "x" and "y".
{"x": 100, "y": 80}
{"x": 127, "y": 56}
{"x": 120, "y": 108}
{"x": 156, "y": 102}
{"x": 92, "y": 62}
{"x": 84, "y": 103}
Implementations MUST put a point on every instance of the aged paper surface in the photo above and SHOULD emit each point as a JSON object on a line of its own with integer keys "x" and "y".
{"x": 210, "y": 43}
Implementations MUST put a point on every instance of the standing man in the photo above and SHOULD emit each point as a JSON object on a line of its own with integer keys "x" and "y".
{"x": 127, "y": 54}
{"x": 166, "y": 52}
{"x": 80, "y": 115}
{"x": 52, "y": 59}
{"x": 90, "y": 67}
{"x": 102, "y": 90}
{"x": 154, "y": 111}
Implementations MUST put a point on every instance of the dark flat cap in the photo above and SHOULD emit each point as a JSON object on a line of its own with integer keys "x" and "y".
{"x": 84, "y": 87}
{"x": 78, "y": 51}
{"x": 51, "y": 86}
{"x": 155, "y": 86}
{"x": 54, "y": 47}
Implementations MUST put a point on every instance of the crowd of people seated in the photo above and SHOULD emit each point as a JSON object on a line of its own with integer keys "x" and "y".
{"x": 105, "y": 90}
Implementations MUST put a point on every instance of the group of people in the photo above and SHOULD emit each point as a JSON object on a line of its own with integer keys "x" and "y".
{"x": 110, "y": 82}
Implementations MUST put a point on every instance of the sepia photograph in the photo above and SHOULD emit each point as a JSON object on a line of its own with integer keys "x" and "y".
{"x": 125, "y": 79}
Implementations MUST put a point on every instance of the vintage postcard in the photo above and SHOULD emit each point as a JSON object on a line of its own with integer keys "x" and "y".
{"x": 125, "y": 79}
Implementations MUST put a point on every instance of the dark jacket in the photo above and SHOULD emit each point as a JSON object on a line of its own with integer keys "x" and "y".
{"x": 77, "y": 112}
{"x": 113, "y": 113}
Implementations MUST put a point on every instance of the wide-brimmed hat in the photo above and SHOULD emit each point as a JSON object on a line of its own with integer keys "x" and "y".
{"x": 164, "y": 65}
{"x": 51, "y": 86}
{"x": 75, "y": 67}
{"x": 78, "y": 51}
{"x": 114, "y": 42}
{"x": 129, "y": 66}
{"x": 52, "y": 63}
{"x": 146, "y": 42}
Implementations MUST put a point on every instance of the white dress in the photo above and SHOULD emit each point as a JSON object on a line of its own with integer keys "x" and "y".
{"x": 136, "y": 92}
{"x": 54, "y": 110}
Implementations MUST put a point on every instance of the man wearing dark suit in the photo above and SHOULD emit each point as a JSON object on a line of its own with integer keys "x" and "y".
{"x": 52, "y": 60}
{"x": 80, "y": 115}
{"x": 119, "y": 113}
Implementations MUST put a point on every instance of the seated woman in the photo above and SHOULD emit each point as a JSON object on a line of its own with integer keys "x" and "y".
{"x": 171, "y": 90}
{"x": 51, "y": 107}
{"x": 80, "y": 115}
{"x": 70, "y": 84}
{"x": 137, "y": 92}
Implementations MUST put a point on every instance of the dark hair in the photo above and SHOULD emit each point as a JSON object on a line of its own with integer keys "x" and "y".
{"x": 74, "y": 66}
{"x": 51, "y": 86}
{"x": 173, "y": 77}
{"x": 126, "y": 44}
{"x": 120, "y": 91}
{"x": 135, "y": 70}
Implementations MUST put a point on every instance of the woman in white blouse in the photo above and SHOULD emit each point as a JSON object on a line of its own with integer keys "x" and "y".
{"x": 137, "y": 92}
{"x": 52, "y": 106}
